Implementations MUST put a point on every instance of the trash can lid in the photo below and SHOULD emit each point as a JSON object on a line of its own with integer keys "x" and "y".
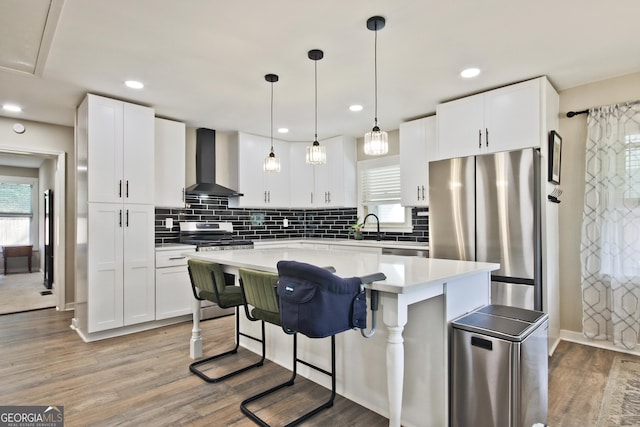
{"x": 530, "y": 316}
{"x": 513, "y": 330}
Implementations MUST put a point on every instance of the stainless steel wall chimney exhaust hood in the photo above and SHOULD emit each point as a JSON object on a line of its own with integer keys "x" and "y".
{"x": 206, "y": 167}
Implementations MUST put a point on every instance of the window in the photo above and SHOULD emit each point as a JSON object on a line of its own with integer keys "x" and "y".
{"x": 631, "y": 170}
{"x": 379, "y": 193}
{"x": 17, "y": 205}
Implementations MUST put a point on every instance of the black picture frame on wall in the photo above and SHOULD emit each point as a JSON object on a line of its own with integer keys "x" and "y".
{"x": 555, "y": 157}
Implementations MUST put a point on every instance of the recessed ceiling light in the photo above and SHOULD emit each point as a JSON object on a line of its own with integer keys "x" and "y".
{"x": 133, "y": 84}
{"x": 355, "y": 107}
{"x": 470, "y": 72}
{"x": 12, "y": 107}
{"x": 283, "y": 130}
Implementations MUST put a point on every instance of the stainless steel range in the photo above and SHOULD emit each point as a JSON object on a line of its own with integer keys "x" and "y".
{"x": 212, "y": 236}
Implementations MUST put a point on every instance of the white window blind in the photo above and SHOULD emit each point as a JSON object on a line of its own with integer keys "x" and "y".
{"x": 380, "y": 185}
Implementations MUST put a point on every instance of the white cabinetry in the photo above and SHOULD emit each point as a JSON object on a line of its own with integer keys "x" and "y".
{"x": 508, "y": 118}
{"x": 120, "y": 265}
{"x": 169, "y": 163}
{"x": 330, "y": 185}
{"x": 121, "y": 151}
{"x": 174, "y": 296}
{"x": 260, "y": 188}
{"x": 115, "y": 275}
{"x": 417, "y": 148}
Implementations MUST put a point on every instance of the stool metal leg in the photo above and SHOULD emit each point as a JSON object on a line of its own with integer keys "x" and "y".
{"x": 194, "y": 366}
{"x": 290, "y": 382}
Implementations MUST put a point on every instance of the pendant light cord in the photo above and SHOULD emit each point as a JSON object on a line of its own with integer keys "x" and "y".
{"x": 272, "y": 117}
{"x": 375, "y": 72}
{"x": 315, "y": 65}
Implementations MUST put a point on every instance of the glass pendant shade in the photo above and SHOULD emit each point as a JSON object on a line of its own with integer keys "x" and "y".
{"x": 316, "y": 154}
{"x": 376, "y": 142}
{"x": 271, "y": 163}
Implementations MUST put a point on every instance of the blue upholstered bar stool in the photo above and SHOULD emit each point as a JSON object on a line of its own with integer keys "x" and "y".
{"x": 207, "y": 282}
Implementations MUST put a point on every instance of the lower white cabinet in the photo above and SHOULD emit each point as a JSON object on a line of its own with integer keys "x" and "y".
{"x": 120, "y": 265}
{"x": 174, "y": 296}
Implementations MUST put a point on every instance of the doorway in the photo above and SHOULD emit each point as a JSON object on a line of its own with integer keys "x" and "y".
{"x": 57, "y": 225}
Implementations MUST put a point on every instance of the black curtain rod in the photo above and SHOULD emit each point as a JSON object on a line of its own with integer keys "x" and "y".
{"x": 575, "y": 113}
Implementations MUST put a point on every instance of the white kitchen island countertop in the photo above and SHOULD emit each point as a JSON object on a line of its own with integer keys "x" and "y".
{"x": 423, "y": 294}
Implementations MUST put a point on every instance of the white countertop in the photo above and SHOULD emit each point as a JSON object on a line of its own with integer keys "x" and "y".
{"x": 404, "y": 274}
{"x": 173, "y": 246}
{"x": 351, "y": 242}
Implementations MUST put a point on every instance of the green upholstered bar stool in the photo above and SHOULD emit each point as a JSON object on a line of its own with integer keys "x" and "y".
{"x": 207, "y": 282}
{"x": 259, "y": 290}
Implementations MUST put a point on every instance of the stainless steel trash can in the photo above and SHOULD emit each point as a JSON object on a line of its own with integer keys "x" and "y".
{"x": 499, "y": 368}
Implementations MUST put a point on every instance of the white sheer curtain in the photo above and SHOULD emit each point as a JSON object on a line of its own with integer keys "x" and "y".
{"x": 610, "y": 247}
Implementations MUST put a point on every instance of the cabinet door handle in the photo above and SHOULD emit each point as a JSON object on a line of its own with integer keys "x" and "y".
{"x": 486, "y": 137}
{"x": 127, "y": 190}
{"x": 127, "y": 224}
{"x": 183, "y": 196}
{"x": 423, "y": 192}
{"x": 329, "y": 195}
{"x": 479, "y": 138}
{"x": 269, "y": 196}
{"x": 311, "y": 194}
{"x": 265, "y": 197}
{"x": 418, "y": 187}
{"x": 176, "y": 257}
{"x": 120, "y": 218}
{"x": 120, "y": 189}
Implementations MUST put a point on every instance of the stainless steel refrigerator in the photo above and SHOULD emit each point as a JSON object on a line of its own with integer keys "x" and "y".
{"x": 487, "y": 208}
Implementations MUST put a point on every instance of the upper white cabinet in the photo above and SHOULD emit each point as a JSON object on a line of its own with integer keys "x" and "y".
{"x": 330, "y": 185}
{"x": 508, "y": 118}
{"x": 260, "y": 188}
{"x": 169, "y": 163}
{"x": 302, "y": 182}
{"x": 417, "y": 148}
{"x": 120, "y": 151}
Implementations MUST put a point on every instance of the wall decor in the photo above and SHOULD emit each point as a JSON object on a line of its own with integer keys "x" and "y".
{"x": 555, "y": 157}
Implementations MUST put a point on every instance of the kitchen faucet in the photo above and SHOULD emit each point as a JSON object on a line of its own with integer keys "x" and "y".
{"x": 377, "y": 224}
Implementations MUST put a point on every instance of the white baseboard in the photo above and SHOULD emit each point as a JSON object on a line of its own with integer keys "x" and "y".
{"x": 579, "y": 338}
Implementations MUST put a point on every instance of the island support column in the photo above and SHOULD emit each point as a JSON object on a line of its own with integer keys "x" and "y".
{"x": 394, "y": 315}
{"x": 195, "y": 345}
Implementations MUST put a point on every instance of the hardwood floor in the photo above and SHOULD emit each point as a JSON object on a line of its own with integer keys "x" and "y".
{"x": 578, "y": 376}
{"x": 143, "y": 379}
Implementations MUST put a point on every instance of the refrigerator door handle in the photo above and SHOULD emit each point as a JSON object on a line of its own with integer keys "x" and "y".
{"x": 516, "y": 280}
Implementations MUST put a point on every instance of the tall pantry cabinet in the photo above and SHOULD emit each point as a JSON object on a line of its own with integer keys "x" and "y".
{"x": 115, "y": 253}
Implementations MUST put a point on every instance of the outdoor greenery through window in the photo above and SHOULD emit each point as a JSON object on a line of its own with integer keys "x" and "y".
{"x": 16, "y": 213}
{"x": 379, "y": 193}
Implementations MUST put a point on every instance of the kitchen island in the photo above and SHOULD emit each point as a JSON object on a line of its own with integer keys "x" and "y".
{"x": 419, "y": 298}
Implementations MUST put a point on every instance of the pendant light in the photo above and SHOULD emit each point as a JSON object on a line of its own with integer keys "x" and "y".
{"x": 376, "y": 142}
{"x": 316, "y": 154}
{"x": 271, "y": 162}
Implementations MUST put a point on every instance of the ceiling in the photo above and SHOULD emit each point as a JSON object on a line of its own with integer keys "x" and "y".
{"x": 203, "y": 61}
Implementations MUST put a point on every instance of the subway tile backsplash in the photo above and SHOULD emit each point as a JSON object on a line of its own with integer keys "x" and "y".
{"x": 263, "y": 224}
